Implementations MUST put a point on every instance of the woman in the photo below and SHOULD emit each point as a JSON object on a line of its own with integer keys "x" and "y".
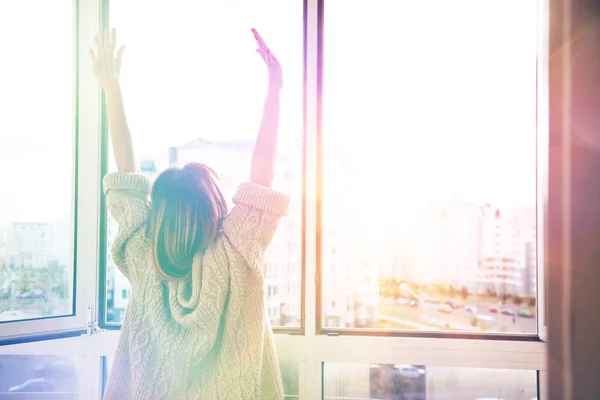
{"x": 195, "y": 327}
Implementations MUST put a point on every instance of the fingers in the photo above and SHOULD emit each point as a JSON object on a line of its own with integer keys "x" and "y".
{"x": 268, "y": 56}
{"x": 113, "y": 41}
{"x": 259, "y": 40}
{"x": 92, "y": 56}
{"x": 98, "y": 44}
{"x": 120, "y": 55}
{"x": 110, "y": 42}
{"x": 106, "y": 44}
{"x": 262, "y": 53}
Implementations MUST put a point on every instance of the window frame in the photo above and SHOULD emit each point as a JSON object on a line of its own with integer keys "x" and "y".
{"x": 542, "y": 150}
{"x": 83, "y": 235}
{"x": 312, "y": 347}
{"x": 542, "y": 163}
{"x": 101, "y": 316}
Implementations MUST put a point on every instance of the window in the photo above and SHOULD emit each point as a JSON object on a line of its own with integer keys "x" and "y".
{"x": 418, "y": 382}
{"x": 206, "y": 104}
{"x": 417, "y": 125}
{"x": 38, "y": 196}
{"x": 38, "y": 377}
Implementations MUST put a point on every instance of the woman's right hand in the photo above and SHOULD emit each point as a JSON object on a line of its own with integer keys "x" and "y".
{"x": 273, "y": 66}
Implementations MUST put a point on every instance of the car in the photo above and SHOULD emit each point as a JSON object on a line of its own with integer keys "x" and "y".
{"x": 445, "y": 308}
{"x": 507, "y": 311}
{"x": 409, "y": 371}
{"x": 452, "y": 304}
{"x": 525, "y": 314}
{"x": 471, "y": 309}
{"x": 493, "y": 310}
{"x": 432, "y": 300}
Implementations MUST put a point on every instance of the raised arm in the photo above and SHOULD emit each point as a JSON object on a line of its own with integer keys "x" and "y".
{"x": 263, "y": 158}
{"x": 106, "y": 66}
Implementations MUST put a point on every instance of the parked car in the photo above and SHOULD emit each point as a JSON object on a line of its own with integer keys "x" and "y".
{"x": 452, "y": 304}
{"x": 410, "y": 371}
{"x": 525, "y": 314}
{"x": 445, "y": 308}
{"x": 493, "y": 310}
{"x": 432, "y": 300}
{"x": 507, "y": 311}
{"x": 25, "y": 295}
{"x": 471, "y": 309}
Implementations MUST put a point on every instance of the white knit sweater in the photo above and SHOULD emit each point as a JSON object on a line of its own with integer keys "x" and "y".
{"x": 208, "y": 337}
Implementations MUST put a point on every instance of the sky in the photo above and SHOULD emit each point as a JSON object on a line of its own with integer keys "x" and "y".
{"x": 436, "y": 98}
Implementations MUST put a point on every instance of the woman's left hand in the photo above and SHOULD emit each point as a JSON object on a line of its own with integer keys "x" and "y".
{"x": 105, "y": 64}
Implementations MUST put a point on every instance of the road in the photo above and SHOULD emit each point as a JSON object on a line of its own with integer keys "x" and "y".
{"x": 459, "y": 319}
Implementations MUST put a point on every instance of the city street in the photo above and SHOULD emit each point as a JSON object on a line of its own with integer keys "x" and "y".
{"x": 428, "y": 316}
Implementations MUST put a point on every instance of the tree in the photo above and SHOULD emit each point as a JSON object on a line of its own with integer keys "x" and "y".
{"x": 397, "y": 292}
{"x": 517, "y": 299}
{"x": 532, "y": 301}
{"x": 386, "y": 292}
{"x": 438, "y": 289}
{"x": 491, "y": 293}
{"x": 464, "y": 292}
{"x": 452, "y": 292}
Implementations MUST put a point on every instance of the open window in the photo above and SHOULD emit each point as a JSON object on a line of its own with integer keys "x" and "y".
{"x": 46, "y": 242}
{"x": 204, "y": 85}
{"x": 428, "y": 168}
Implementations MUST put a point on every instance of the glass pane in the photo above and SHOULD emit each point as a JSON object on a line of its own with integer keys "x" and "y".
{"x": 36, "y": 157}
{"x": 429, "y": 166}
{"x": 416, "y": 382}
{"x": 200, "y": 99}
{"x": 290, "y": 375}
{"x": 36, "y": 377}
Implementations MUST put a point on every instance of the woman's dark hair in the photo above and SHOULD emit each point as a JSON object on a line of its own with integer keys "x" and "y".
{"x": 185, "y": 217}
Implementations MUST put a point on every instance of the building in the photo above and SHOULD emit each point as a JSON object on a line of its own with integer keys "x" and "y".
{"x": 438, "y": 245}
{"x": 352, "y": 245}
{"x": 30, "y": 244}
{"x": 507, "y": 250}
{"x": 461, "y": 244}
{"x": 37, "y": 256}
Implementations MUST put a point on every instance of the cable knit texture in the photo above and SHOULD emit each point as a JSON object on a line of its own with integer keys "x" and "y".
{"x": 207, "y": 337}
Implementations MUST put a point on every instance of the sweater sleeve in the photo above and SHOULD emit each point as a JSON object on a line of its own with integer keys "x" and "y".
{"x": 251, "y": 224}
{"x": 127, "y": 198}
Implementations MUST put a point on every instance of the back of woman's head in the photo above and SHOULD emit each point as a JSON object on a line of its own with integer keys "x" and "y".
{"x": 185, "y": 217}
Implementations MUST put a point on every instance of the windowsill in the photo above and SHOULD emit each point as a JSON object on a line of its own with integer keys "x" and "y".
{"x": 425, "y": 351}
